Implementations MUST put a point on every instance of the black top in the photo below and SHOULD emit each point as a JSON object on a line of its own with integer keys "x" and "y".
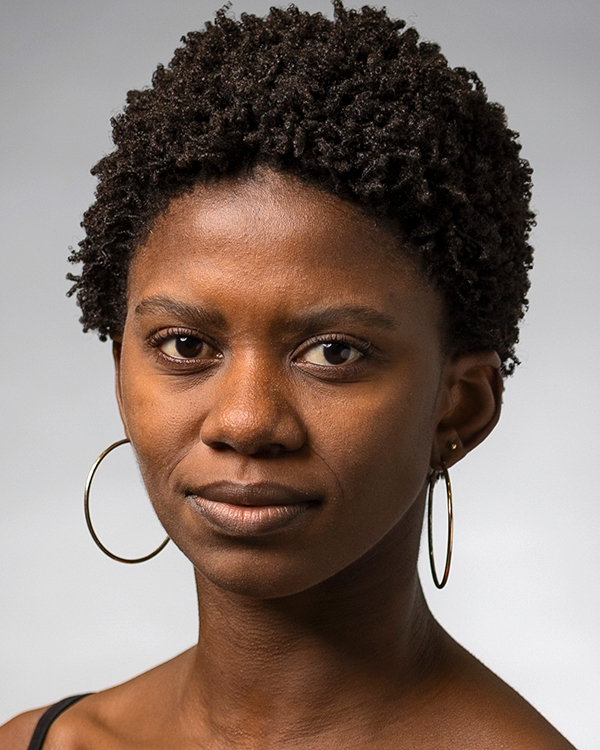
{"x": 45, "y": 722}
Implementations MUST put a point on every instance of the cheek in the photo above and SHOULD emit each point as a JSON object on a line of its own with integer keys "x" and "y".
{"x": 379, "y": 449}
{"x": 158, "y": 418}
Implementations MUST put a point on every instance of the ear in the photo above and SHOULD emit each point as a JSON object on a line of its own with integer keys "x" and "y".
{"x": 116, "y": 348}
{"x": 469, "y": 405}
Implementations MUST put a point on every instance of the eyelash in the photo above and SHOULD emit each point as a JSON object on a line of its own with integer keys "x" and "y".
{"x": 365, "y": 348}
{"x": 157, "y": 339}
{"x": 362, "y": 346}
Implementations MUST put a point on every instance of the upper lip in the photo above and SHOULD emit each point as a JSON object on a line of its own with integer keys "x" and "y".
{"x": 259, "y": 493}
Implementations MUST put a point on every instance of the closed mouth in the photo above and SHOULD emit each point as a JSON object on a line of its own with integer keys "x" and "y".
{"x": 259, "y": 493}
{"x": 250, "y": 509}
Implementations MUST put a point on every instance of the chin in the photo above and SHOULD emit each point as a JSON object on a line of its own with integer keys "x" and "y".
{"x": 264, "y": 569}
{"x": 260, "y": 581}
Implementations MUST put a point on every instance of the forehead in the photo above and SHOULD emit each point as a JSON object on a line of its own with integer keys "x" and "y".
{"x": 273, "y": 239}
{"x": 269, "y": 207}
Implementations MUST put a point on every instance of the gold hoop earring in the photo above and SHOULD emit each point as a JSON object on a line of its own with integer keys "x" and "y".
{"x": 88, "y": 518}
{"x": 432, "y": 480}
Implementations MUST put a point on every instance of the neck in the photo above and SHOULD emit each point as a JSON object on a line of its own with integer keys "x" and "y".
{"x": 342, "y": 652}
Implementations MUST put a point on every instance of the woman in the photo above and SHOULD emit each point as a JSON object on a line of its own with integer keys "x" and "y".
{"x": 310, "y": 251}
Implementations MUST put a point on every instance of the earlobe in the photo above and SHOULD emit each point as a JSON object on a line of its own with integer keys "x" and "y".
{"x": 116, "y": 348}
{"x": 470, "y": 403}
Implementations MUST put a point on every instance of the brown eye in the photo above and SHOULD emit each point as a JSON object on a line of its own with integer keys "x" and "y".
{"x": 185, "y": 347}
{"x": 331, "y": 353}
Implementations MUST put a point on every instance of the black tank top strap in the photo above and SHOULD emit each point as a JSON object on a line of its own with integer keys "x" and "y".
{"x": 45, "y": 722}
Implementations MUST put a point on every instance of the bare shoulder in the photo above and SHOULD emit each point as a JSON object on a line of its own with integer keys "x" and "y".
{"x": 510, "y": 724}
{"x": 96, "y": 720}
{"x": 16, "y": 734}
{"x": 493, "y": 715}
{"x": 116, "y": 717}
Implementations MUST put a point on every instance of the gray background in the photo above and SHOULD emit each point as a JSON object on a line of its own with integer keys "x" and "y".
{"x": 523, "y": 595}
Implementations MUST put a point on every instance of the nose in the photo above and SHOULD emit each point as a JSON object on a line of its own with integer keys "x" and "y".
{"x": 251, "y": 412}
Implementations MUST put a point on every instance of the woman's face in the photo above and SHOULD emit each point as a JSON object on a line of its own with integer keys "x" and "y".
{"x": 280, "y": 378}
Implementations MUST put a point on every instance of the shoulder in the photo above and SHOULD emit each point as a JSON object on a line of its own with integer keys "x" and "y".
{"x": 117, "y": 716}
{"x": 16, "y": 734}
{"x": 490, "y": 714}
{"x": 510, "y": 725}
{"x": 63, "y": 733}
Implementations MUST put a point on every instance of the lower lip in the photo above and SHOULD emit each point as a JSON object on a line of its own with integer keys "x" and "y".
{"x": 249, "y": 520}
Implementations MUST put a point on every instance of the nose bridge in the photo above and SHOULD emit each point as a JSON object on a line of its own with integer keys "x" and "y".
{"x": 252, "y": 410}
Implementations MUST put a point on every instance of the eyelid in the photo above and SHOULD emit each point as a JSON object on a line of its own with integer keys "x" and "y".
{"x": 361, "y": 345}
{"x": 160, "y": 337}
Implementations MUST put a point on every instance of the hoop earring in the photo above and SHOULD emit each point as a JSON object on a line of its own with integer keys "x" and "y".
{"x": 88, "y": 519}
{"x": 432, "y": 480}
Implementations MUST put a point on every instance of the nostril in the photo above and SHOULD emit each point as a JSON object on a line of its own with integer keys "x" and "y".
{"x": 219, "y": 445}
{"x": 270, "y": 450}
{"x": 275, "y": 449}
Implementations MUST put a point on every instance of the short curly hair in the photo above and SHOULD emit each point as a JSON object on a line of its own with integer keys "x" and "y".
{"x": 356, "y": 106}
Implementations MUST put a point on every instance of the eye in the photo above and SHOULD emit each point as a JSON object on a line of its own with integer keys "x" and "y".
{"x": 331, "y": 353}
{"x": 186, "y": 347}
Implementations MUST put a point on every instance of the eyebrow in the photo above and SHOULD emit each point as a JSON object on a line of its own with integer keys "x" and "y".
{"x": 311, "y": 319}
{"x": 183, "y": 310}
{"x": 333, "y": 314}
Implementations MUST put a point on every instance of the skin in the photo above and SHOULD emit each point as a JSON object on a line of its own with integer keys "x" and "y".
{"x": 315, "y": 634}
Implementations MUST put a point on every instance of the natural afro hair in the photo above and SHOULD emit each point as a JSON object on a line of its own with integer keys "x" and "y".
{"x": 356, "y": 106}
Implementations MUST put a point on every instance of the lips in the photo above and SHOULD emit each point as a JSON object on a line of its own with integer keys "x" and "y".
{"x": 251, "y": 509}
